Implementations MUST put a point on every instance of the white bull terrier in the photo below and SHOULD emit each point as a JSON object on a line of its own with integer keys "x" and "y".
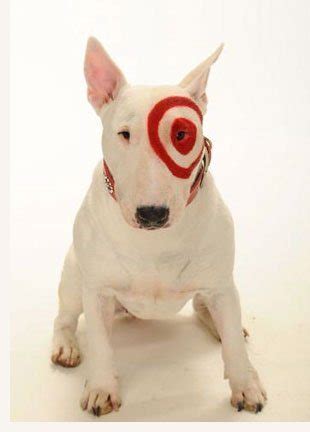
{"x": 152, "y": 233}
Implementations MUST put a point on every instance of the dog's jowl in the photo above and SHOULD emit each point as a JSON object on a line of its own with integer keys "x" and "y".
{"x": 152, "y": 233}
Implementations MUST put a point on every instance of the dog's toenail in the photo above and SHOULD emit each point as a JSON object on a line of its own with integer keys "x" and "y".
{"x": 259, "y": 407}
{"x": 96, "y": 411}
{"x": 240, "y": 406}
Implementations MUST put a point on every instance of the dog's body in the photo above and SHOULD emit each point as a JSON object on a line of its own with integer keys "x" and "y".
{"x": 150, "y": 272}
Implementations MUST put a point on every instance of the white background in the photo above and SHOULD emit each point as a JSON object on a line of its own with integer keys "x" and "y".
{"x": 258, "y": 119}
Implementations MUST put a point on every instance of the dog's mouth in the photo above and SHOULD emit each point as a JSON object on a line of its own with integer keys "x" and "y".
{"x": 153, "y": 227}
{"x": 147, "y": 227}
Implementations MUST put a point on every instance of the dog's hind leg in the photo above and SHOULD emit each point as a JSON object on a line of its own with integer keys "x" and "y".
{"x": 204, "y": 315}
{"x": 65, "y": 351}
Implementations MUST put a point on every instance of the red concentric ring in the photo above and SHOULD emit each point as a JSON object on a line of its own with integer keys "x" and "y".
{"x": 153, "y": 122}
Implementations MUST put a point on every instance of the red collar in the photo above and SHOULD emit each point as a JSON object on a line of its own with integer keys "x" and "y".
{"x": 109, "y": 180}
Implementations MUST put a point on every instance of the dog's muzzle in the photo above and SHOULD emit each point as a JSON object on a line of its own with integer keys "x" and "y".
{"x": 110, "y": 184}
{"x": 152, "y": 217}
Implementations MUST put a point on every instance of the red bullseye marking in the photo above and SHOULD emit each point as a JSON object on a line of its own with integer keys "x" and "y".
{"x": 183, "y": 135}
{"x": 153, "y": 121}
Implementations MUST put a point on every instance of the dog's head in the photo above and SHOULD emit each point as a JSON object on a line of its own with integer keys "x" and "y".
{"x": 152, "y": 137}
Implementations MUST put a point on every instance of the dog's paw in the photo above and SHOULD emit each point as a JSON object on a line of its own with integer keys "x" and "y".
{"x": 66, "y": 353}
{"x": 100, "y": 401}
{"x": 250, "y": 396}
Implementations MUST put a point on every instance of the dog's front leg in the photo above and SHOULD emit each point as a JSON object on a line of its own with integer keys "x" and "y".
{"x": 101, "y": 389}
{"x": 247, "y": 391}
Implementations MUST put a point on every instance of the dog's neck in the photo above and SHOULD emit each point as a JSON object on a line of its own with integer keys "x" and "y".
{"x": 204, "y": 165}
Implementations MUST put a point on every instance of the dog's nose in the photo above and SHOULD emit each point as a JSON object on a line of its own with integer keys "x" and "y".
{"x": 152, "y": 216}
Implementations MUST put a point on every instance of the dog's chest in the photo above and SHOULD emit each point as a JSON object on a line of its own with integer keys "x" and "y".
{"x": 153, "y": 299}
{"x": 157, "y": 291}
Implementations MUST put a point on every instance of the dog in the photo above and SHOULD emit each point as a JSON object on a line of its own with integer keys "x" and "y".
{"x": 152, "y": 233}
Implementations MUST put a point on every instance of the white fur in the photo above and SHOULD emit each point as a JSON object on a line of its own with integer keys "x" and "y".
{"x": 150, "y": 273}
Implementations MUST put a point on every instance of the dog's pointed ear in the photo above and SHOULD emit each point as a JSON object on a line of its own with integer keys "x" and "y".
{"x": 196, "y": 81}
{"x": 104, "y": 79}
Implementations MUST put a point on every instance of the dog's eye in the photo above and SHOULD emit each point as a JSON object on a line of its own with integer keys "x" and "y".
{"x": 180, "y": 135}
{"x": 125, "y": 134}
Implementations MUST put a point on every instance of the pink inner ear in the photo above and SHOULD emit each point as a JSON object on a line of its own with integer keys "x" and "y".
{"x": 102, "y": 76}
